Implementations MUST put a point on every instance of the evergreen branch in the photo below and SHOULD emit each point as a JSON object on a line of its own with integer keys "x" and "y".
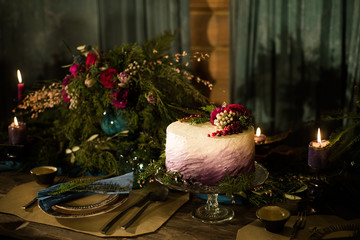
{"x": 76, "y": 184}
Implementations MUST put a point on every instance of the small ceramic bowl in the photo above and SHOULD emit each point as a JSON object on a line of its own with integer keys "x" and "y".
{"x": 273, "y": 217}
{"x": 44, "y": 175}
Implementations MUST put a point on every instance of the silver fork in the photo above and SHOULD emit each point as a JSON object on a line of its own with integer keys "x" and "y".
{"x": 299, "y": 224}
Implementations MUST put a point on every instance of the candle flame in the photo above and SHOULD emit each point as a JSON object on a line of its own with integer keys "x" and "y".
{"x": 19, "y": 76}
{"x": 319, "y": 136}
{"x": 258, "y": 132}
{"x": 16, "y": 121}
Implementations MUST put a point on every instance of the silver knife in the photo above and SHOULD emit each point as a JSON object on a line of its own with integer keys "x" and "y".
{"x": 139, "y": 203}
{"x": 26, "y": 206}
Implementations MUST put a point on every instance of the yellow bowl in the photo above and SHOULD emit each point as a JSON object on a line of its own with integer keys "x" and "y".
{"x": 273, "y": 217}
{"x": 44, "y": 175}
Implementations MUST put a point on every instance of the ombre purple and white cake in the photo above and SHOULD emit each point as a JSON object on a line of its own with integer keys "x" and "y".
{"x": 207, "y": 152}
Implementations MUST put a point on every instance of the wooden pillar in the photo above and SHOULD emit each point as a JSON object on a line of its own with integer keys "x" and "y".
{"x": 209, "y": 24}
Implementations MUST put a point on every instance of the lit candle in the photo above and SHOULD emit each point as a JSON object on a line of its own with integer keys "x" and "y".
{"x": 20, "y": 86}
{"x": 259, "y": 138}
{"x": 318, "y": 152}
{"x": 17, "y": 132}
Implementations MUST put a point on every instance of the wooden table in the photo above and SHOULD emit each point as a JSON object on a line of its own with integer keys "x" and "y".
{"x": 180, "y": 226}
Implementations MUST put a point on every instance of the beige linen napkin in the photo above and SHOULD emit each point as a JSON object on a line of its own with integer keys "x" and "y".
{"x": 152, "y": 219}
{"x": 256, "y": 229}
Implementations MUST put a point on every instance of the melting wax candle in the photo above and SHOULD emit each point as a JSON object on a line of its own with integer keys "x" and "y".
{"x": 259, "y": 138}
{"x": 318, "y": 152}
{"x": 20, "y": 87}
{"x": 17, "y": 132}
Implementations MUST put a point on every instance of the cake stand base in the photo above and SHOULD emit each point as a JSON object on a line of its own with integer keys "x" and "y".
{"x": 212, "y": 212}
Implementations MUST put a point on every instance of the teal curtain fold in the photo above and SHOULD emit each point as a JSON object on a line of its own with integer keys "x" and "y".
{"x": 293, "y": 60}
{"x": 123, "y": 21}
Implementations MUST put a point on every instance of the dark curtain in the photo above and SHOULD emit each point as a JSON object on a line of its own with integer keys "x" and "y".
{"x": 294, "y": 60}
{"x": 32, "y": 34}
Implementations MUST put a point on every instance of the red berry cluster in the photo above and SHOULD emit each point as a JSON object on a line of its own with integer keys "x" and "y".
{"x": 233, "y": 128}
{"x": 189, "y": 117}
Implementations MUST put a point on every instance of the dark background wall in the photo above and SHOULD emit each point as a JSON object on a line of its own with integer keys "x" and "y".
{"x": 31, "y": 39}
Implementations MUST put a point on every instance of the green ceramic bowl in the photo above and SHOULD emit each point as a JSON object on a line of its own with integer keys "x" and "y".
{"x": 44, "y": 175}
{"x": 273, "y": 217}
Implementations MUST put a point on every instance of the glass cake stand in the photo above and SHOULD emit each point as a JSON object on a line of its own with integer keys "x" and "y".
{"x": 212, "y": 211}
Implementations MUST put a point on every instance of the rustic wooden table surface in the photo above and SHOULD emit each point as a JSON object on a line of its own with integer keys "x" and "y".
{"x": 180, "y": 226}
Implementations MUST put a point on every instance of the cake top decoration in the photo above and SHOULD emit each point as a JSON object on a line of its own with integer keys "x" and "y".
{"x": 227, "y": 119}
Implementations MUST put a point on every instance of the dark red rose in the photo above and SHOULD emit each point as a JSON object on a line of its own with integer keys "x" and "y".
{"x": 214, "y": 113}
{"x": 119, "y": 98}
{"x": 91, "y": 59}
{"x": 66, "y": 80}
{"x": 237, "y": 108}
{"x": 108, "y": 78}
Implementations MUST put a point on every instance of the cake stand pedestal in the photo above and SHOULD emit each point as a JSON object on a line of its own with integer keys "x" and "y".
{"x": 212, "y": 211}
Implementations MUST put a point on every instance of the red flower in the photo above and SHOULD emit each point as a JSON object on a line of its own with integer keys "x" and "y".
{"x": 119, "y": 98}
{"x": 66, "y": 80}
{"x": 108, "y": 78}
{"x": 237, "y": 108}
{"x": 214, "y": 113}
{"x": 91, "y": 59}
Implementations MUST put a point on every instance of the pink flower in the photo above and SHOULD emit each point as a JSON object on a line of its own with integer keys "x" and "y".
{"x": 237, "y": 108}
{"x": 65, "y": 96}
{"x": 119, "y": 98}
{"x": 74, "y": 69}
{"x": 151, "y": 98}
{"x": 89, "y": 82}
{"x": 124, "y": 78}
{"x": 91, "y": 59}
{"x": 108, "y": 78}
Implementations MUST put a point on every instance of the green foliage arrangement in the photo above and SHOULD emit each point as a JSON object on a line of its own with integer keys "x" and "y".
{"x": 345, "y": 141}
{"x": 116, "y": 105}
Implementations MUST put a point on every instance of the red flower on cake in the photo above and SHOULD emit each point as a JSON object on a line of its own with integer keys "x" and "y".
{"x": 108, "y": 78}
{"x": 214, "y": 113}
{"x": 90, "y": 59}
{"x": 237, "y": 108}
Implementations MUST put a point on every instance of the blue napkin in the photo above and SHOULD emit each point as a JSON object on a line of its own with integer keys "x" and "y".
{"x": 9, "y": 165}
{"x": 47, "y": 201}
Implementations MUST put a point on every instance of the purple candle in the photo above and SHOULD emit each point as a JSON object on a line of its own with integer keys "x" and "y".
{"x": 17, "y": 132}
{"x": 259, "y": 138}
{"x": 318, "y": 152}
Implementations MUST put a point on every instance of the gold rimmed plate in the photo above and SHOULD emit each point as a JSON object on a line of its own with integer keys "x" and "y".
{"x": 88, "y": 206}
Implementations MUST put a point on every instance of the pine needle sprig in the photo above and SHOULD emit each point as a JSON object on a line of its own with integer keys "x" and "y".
{"x": 77, "y": 184}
